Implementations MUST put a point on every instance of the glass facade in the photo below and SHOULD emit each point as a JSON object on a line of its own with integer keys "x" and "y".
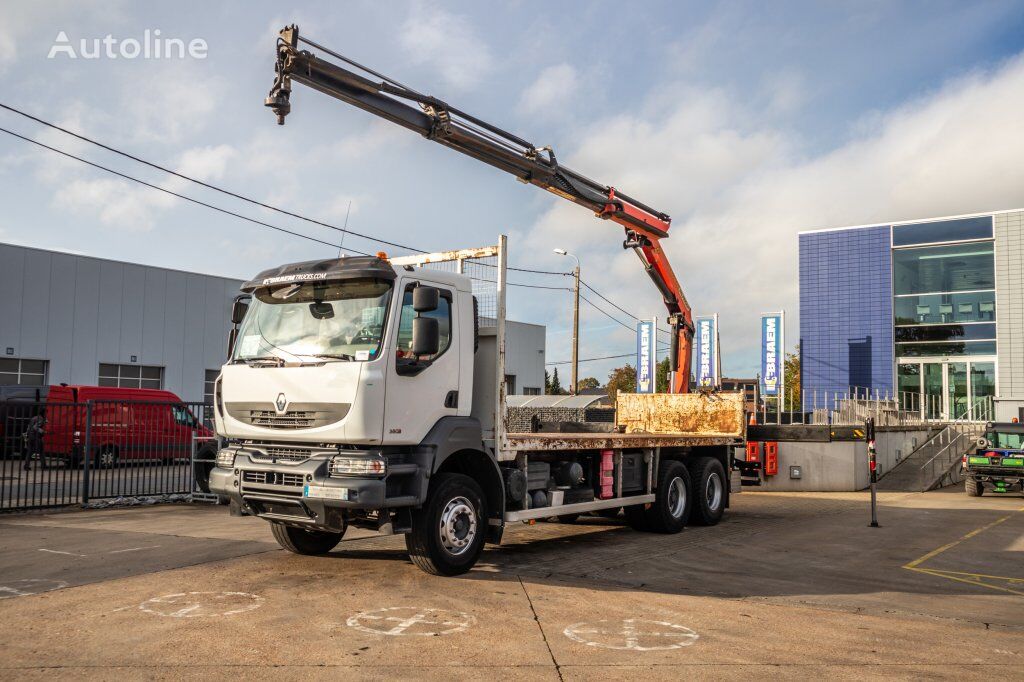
{"x": 935, "y": 283}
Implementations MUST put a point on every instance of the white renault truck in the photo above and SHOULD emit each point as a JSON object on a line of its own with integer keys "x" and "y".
{"x": 368, "y": 392}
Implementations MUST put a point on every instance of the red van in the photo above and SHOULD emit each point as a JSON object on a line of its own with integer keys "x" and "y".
{"x": 128, "y": 425}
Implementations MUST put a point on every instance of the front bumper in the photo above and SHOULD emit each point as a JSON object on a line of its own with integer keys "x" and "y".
{"x": 304, "y": 493}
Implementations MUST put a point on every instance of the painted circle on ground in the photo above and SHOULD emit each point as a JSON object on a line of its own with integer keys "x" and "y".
{"x": 632, "y": 634}
{"x": 397, "y": 621}
{"x": 29, "y": 586}
{"x": 201, "y": 604}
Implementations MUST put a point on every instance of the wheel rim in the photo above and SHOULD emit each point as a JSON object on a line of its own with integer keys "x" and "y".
{"x": 713, "y": 491}
{"x": 106, "y": 459}
{"x": 458, "y": 525}
{"x": 676, "y": 497}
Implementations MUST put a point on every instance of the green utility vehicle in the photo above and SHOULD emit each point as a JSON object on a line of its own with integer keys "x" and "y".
{"x": 998, "y": 464}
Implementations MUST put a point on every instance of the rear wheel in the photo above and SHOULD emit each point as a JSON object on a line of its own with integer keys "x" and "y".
{"x": 671, "y": 508}
{"x": 302, "y": 541}
{"x": 447, "y": 534}
{"x": 708, "y": 478}
{"x": 974, "y": 487}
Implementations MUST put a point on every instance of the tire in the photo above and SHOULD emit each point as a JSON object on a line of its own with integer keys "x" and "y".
{"x": 568, "y": 518}
{"x": 105, "y": 458}
{"x": 974, "y": 487}
{"x": 203, "y": 468}
{"x": 636, "y": 517}
{"x": 673, "y": 499}
{"x": 709, "y": 491}
{"x": 448, "y": 532}
{"x": 302, "y": 541}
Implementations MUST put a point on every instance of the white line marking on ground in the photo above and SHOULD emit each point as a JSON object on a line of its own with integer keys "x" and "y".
{"x": 57, "y": 551}
{"x": 632, "y": 634}
{"x": 29, "y": 586}
{"x": 411, "y": 620}
{"x": 132, "y": 549}
{"x": 202, "y": 604}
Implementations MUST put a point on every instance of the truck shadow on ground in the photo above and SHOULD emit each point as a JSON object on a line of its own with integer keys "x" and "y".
{"x": 797, "y": 547}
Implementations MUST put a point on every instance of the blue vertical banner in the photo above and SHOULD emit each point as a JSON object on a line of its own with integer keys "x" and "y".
{"x": 772, "y": 352}
{"x": 645, "y": 357}
{"x": 706, "y": 348}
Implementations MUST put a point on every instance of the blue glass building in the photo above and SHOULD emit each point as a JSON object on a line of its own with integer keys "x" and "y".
{"x": 930, "y": 311}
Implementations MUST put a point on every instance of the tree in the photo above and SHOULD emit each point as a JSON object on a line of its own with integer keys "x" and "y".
{"x": 547, "y": 382}
{"x": 622, "y": 379}
{"x": 791, "y": 376}
{"x": 661, "y": 377}
{"x": 587, "y": 382}
{"x": 556, "y": 384}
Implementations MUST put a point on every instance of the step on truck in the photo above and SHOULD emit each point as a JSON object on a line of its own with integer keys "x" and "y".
{"x": 370, "y": 392}
{"x": 998, "y": 462}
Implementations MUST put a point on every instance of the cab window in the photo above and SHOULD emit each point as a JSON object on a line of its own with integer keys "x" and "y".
{"x": 443, "y": 315}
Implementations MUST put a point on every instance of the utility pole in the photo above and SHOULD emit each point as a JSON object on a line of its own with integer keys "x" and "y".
{"x": 574, "y": 388}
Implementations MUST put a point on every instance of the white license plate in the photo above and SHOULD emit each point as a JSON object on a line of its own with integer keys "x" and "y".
{"x": 325, "y": 493}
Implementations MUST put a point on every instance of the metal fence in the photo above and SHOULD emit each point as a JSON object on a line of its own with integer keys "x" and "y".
{"x": 855, "y": 405}
{"x": 55, "y": 454}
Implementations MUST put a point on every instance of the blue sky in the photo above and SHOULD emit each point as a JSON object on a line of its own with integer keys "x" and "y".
{"x": 747, "y": 122}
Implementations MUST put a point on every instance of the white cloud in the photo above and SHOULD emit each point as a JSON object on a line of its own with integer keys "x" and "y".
{"x": 553, "y": 88}
{"x": 740, "y": 193}
{"x": 126, "y": 206}
{"x": 166, "y": 103}
{"x": 447, "y": 42}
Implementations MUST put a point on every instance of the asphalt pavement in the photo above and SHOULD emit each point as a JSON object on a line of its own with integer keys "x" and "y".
{"x": 787, "y": 586}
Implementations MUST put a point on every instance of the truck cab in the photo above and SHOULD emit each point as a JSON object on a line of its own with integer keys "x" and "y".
{"x": 349, "y": 385}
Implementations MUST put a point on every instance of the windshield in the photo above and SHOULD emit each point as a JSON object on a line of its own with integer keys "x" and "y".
{"x": 1006, "y": 441}
{"x": 315, "y": 322}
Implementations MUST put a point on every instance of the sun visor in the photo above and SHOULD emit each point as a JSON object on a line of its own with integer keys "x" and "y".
{"x": 331, "y": 270}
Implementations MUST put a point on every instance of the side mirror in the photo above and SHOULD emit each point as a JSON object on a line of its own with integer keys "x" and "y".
{"x": 426, "y": 336}
{"x": 425, "y": 299}
{"x": 232, "y": 337}
{"x": 239, "y": 308}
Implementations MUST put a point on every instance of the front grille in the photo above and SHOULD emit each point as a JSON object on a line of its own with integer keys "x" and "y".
{"x": 281, "y": 455}
{"x": 289, "y": 420}
{"x": 272, "y": 478}
{"x": 298, "y": 415}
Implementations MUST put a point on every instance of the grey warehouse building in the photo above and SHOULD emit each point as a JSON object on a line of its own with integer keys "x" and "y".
{"x": 69, "y": 318}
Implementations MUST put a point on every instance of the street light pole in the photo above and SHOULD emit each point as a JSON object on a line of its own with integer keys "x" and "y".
{"x": 575, "y": 320}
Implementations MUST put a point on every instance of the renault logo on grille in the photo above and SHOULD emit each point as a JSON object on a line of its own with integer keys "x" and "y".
{"x": 281, "y": 403}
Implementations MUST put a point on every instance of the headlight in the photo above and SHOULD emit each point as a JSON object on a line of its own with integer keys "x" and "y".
{"x": 357, "y": 466}
{"x": 226, "y": 459}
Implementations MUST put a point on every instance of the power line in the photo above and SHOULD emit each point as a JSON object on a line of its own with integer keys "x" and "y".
{"x": 605, "y": 357}
{"x": 616, "y": 306}
{"x": 233, "y": 194}
{"x": 172, "y": 193}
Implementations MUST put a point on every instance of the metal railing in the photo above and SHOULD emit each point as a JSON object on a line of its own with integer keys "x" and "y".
{"x": 952, "y": 442}
{"x": 56, "y": 454}
{"x": 853, "y": 406}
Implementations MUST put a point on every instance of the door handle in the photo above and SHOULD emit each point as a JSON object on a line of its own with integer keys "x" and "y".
{"x": 452, "y": 399}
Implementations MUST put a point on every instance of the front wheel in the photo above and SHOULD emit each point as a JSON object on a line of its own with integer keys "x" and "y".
{"x": 447, "y": 533}
{"x": 974, "y": 487}
{"x": 708, "y": 491}
{"x": 302, "y": 541}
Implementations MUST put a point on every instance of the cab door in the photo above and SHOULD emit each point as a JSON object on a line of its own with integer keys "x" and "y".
{"x": 416, "y": 400}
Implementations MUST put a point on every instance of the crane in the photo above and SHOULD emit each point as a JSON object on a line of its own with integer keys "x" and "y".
{"x": 436, "y": 120}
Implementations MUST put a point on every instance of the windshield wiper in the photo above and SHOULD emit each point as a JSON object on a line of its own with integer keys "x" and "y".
{"x": 264, "y": 359}
{"x": 333, "y": 356}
